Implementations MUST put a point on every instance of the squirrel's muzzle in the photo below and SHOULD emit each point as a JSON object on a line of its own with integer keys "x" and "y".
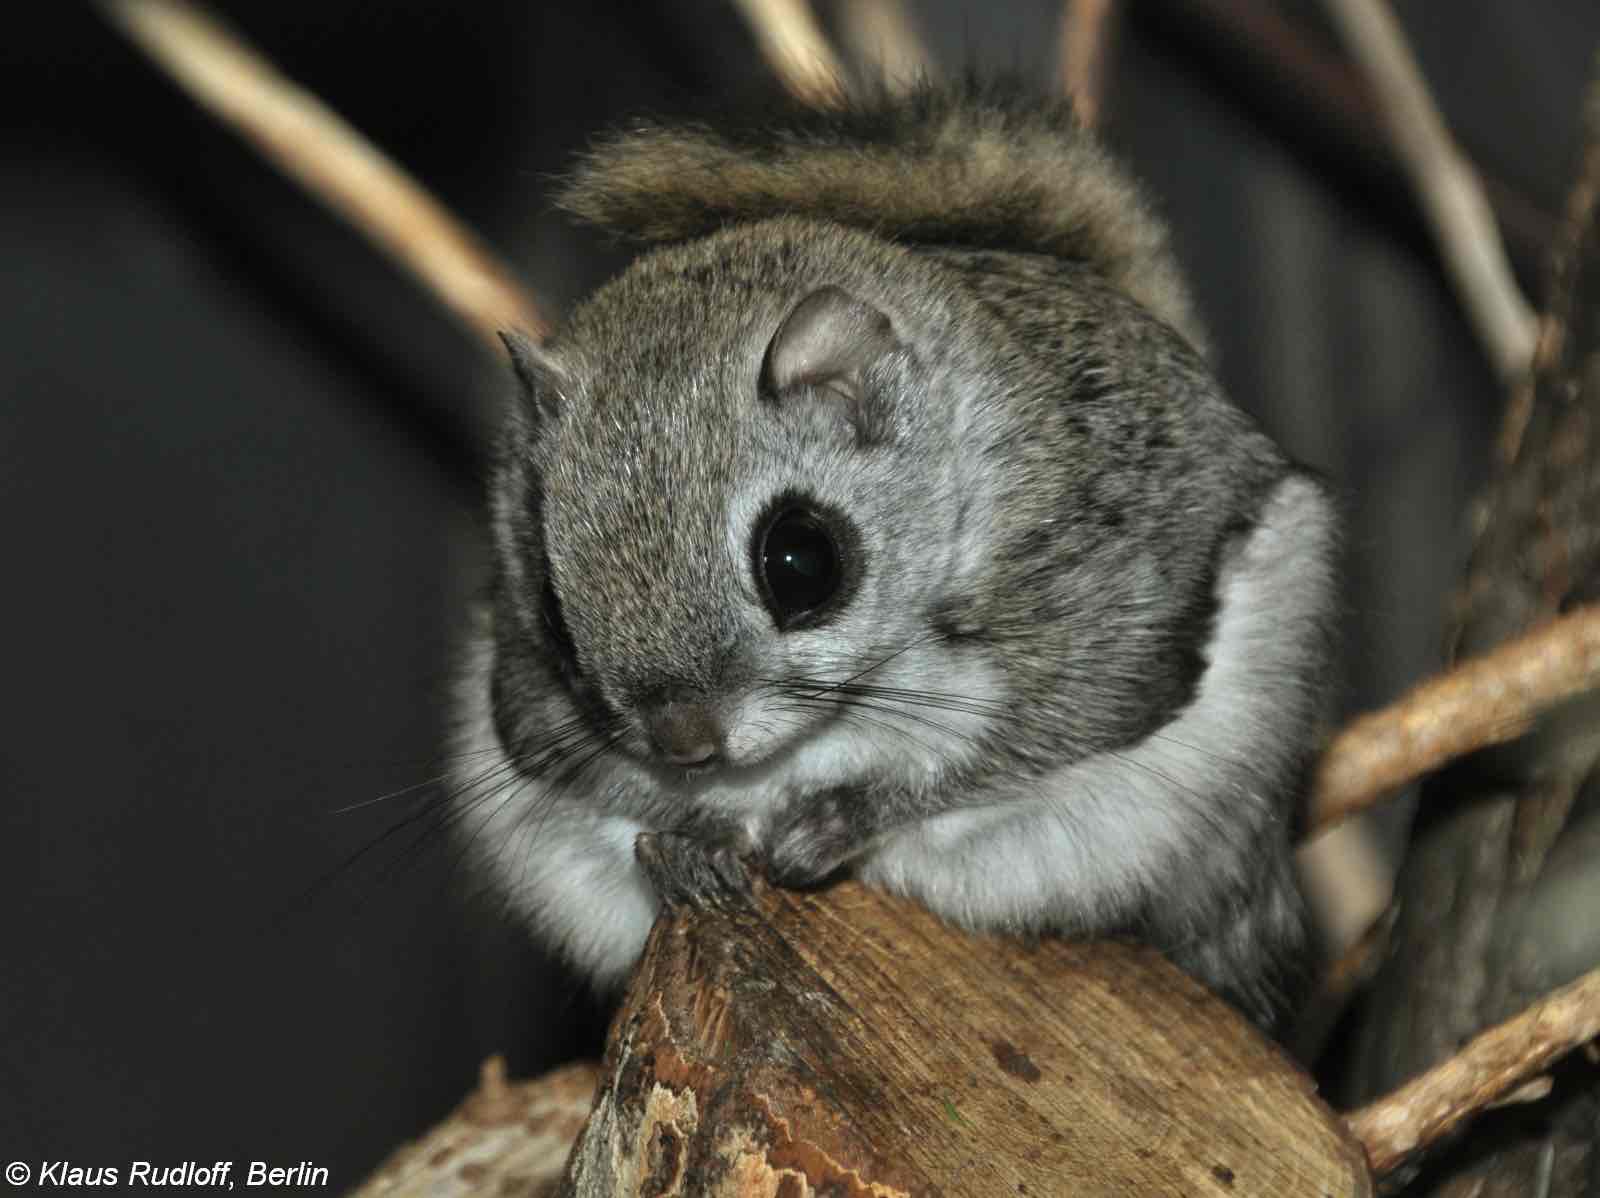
{"x": 683, "y": 732}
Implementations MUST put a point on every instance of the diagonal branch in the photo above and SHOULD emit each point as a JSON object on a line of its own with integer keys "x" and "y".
{"x": 1493, "y": 1064}
{"x": 883, "y": 35}
{"x": 796, "y": 49}
{"x": 1486, "y": 701}
{"x": 1566, "y": 269}
{"x": 1453, "y": 200}
{"x": 1087, "y": 29}
{"x": 311, "y": 143}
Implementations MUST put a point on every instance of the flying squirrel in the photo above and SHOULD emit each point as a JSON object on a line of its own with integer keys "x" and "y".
{"x": 884, "y": 518}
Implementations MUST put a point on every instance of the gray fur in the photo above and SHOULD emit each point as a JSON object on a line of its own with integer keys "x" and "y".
{"x": 989, "y": 166}
{"x": 1102, "y": 595}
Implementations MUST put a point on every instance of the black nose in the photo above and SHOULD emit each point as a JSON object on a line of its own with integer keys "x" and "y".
{"x": 684, "y": 733}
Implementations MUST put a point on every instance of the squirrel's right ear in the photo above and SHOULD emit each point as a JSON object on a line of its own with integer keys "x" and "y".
{"x": 542, "y": 379}
{"x": 827, "y": 343}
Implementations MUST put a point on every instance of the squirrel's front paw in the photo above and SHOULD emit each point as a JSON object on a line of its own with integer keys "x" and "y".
{"x": 688, "y": 871}
{"x": 817, "y": 835}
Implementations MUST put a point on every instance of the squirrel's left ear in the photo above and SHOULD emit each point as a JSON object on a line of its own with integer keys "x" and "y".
{"x": 827, "y": 343}
{"x": 538, "y": 373}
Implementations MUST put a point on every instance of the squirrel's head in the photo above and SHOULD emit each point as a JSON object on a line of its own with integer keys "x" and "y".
{"x": 733, "y": 509}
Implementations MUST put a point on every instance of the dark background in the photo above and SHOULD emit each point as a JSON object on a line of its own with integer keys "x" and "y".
{"x": 239, "y": 490}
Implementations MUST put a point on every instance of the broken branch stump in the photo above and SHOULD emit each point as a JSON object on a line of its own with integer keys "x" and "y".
{"x": 847, "y": 1042}
{"x": 506, "y": 1138}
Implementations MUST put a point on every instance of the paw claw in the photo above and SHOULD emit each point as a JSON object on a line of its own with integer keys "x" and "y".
{"x": 686, "y": 871}
{"x": 814, "y": 840}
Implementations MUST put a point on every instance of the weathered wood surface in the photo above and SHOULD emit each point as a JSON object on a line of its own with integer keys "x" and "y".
{"x": 849, "y": 1043}
{"x": 506, "y": 1138}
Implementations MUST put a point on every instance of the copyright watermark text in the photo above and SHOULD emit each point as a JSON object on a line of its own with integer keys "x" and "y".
{"x": 184, "y": 1175}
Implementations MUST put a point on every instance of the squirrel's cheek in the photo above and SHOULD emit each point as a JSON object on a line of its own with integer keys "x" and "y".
{"x": 764, "y": 722}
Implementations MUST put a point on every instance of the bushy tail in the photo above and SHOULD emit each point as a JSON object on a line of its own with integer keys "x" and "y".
{"x": 980, "y": 166}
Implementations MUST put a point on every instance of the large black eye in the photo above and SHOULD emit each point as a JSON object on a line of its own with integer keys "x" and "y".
{"x": 800, "y": 566}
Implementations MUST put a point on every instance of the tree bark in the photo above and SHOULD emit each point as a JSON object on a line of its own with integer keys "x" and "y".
{"x": 506, "y": 1138}
{"x": 848, "y": 1042}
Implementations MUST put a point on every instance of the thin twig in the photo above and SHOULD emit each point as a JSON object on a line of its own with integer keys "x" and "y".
{"x": 1348, "y": 881}
{"x": 883, "y": 35}
{"x": 1352, "y": 972}
{"x": 311, "y": 143}
{"x": 796, "y": 49}
{"x": 1087, "y": 29}
{"x": 1451, "y": 196}
{"x": 1565, "y": 262}
{"x": 1492, "y": 1065}
{"x": 1486, "y": 701}
{"x": 1321, "y": 104}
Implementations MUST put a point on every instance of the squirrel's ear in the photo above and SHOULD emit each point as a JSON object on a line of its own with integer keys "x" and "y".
{"x": 828, "y": 342}
{"x": 540, "y": 376}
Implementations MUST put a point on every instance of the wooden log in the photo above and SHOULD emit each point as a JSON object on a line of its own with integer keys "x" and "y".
{"x": 505, "y": 1138}
{"x": 848, "y": 1042}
